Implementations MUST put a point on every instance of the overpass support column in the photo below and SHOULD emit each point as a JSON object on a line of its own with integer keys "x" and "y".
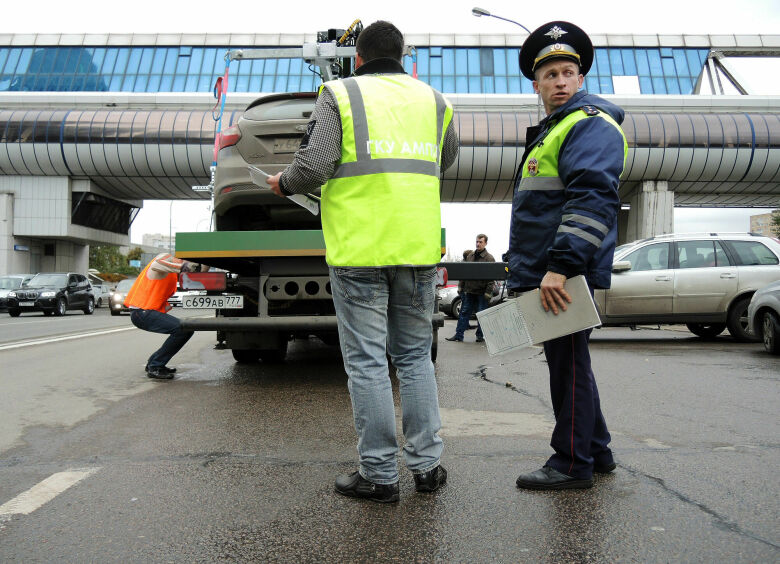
{"x": 652, "y": 211}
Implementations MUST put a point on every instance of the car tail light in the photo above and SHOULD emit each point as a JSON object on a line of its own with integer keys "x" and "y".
{"x": 215, "y": 281}
{"x": 229, "y": 137}
{"x": 441, "y": 276}
{"x": 226, "y": 189}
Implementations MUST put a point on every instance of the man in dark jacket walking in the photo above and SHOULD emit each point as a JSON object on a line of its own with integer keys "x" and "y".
{"x": 564, "y": 223}
{"x": 474, "y": 294}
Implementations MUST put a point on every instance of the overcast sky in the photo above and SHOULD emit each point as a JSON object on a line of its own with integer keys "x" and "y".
{"x": 412, "y": 16}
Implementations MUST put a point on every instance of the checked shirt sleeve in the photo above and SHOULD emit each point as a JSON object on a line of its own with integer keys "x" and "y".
{"x": 320, "y": 149}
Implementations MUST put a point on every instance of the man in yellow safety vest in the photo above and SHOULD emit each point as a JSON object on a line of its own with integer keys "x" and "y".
{"x": 377, "y": 143}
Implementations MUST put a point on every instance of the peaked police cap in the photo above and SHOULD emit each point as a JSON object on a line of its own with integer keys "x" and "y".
{"x": 556, "y": 40}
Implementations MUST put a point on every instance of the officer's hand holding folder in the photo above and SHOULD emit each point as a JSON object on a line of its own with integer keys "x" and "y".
{"x": 522, "y": 322}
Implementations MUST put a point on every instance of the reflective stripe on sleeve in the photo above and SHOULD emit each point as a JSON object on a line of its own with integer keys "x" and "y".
{"x": 585, "y": 220}
{"x": 581, "y": 233}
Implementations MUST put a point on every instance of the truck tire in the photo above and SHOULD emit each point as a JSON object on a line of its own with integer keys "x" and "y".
{"x": 246, "y": 356}
{"x": 274, "y": 356}
{"x": 738, "y": 321}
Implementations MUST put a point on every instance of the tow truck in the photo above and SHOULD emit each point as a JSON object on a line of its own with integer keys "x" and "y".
{"x": 271, "y": 282}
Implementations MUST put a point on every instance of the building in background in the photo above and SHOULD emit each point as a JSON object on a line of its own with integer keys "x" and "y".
{"x": 159, "y": 240}
{"x": 762, "y": 224}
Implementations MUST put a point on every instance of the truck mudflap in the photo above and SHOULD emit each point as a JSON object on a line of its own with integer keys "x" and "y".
{"x": 298, "y": 323}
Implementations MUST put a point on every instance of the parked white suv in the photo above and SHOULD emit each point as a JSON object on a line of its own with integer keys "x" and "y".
{"x": 704, "y": 281}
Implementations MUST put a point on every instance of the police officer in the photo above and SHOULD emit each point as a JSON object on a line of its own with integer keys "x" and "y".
{"x": 378, "y": 142}
{"x": 564, "y": 223}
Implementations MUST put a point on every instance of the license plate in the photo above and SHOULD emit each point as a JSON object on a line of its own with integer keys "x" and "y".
{"x": 213, "y": 302}
{"x": 26, "y": 304}
{"x": 286, "y": 144}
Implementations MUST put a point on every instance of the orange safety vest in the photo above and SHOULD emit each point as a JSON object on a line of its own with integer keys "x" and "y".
{"x": 151, "y": 294}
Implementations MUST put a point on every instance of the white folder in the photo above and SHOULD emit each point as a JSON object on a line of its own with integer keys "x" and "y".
{"x": 522, "y": 322}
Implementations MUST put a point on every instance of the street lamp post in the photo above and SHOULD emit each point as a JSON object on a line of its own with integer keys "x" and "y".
{"x": 479, "y": 12}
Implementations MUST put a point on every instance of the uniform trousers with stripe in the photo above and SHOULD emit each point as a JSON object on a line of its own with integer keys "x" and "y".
{"x": 580, "y": 437}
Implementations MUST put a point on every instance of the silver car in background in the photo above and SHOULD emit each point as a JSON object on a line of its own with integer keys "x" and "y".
{"x": 704, "y": 281}
{"x": 764, "y": 316}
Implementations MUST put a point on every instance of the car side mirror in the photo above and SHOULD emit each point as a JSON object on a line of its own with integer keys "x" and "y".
{"x": 621, "y": 266}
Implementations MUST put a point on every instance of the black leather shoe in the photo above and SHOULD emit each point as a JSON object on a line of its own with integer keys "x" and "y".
{"x": 159, "y": 373}
{"x": 355, "y": 485}
{"x": 548, "y": 478}
{"x": 453, "y": 338}
{"x": 480, "y": 339}
{"x": 431, "y": 480}
{"x": 163, "y": 369}
{"x": 604, "y": 468}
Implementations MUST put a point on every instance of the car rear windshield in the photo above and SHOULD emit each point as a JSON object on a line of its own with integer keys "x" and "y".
{"x": 753, "y": 253}
{"x": 59, "y": 280}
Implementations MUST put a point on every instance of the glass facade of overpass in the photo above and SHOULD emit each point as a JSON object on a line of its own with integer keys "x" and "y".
{"x": 461, "y": 70}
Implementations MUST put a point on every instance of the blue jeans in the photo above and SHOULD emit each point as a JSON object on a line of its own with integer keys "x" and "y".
{"x": 157, "y": 322}
{"x": 385, "y": 311}
{"x": 471, "y": 304}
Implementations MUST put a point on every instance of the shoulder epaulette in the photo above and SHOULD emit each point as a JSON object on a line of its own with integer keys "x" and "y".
{"x": 590, "y": 110}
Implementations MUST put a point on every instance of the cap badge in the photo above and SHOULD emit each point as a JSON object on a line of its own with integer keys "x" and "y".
{"x": 557, "y": 47}
{"x": 556, "y": 33}
{"x": 533, "y": 167}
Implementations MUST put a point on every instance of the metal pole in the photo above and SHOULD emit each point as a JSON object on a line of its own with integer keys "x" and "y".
{"x": 170, "y": 228}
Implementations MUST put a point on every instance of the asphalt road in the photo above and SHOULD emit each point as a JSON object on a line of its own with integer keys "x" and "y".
{"x": 235, "y": 463}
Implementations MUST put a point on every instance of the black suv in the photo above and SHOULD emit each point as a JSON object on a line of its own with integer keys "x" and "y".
{"x": 53, "y": 293}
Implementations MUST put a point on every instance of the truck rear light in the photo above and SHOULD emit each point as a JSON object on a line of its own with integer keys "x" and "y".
{"x": 214, "y": 281}
{"x": 229, "y": 137}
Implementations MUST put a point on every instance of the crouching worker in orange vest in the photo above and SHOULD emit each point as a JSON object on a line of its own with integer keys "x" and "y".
{"x": 148, "y": 303}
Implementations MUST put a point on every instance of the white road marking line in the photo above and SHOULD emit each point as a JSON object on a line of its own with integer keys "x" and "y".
{"x": 43, "y": 492}
{"x": 63, "y": 338}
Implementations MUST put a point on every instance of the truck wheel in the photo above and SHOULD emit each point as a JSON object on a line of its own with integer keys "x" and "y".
{"x": 274, "y": 356}
{"x": 706, "y": 330}
{"x": 246, "y": 356}
{"x": 738, "y": 321}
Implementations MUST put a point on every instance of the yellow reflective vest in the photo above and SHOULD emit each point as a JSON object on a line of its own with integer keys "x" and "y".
{"x": 381, "y": 207}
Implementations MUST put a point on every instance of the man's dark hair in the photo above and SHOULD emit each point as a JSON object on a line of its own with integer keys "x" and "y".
{"x": 482, "y": 236}
{"x": 380, "y": 40}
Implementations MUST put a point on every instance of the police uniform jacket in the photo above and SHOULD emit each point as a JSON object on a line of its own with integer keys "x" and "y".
{"x": 573, "y": 230}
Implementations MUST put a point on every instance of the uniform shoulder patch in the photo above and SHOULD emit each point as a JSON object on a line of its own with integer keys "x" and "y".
{"x": 590, "y": 110}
